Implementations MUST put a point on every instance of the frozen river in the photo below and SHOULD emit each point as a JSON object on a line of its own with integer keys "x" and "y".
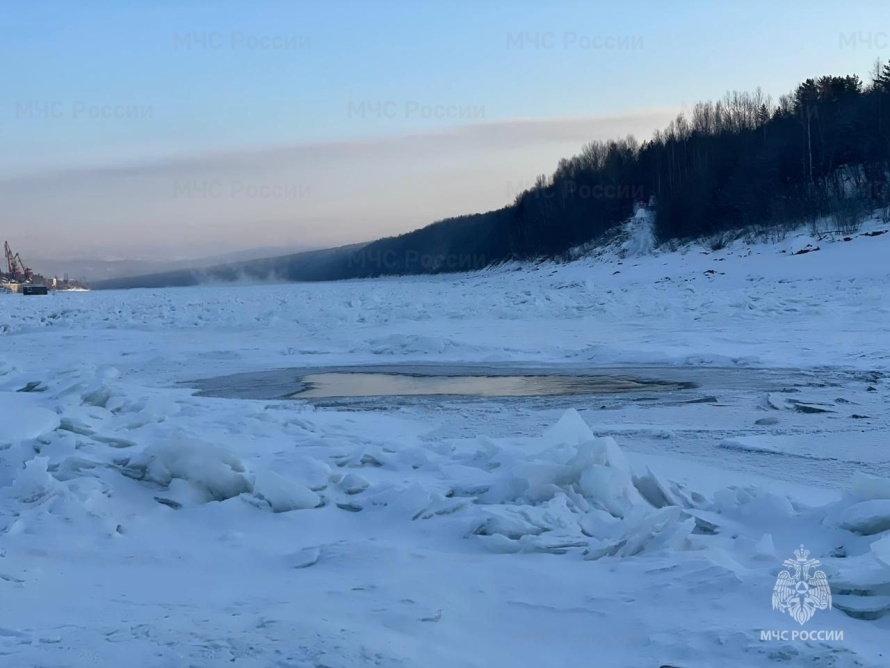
{"x": 531, "y": 467}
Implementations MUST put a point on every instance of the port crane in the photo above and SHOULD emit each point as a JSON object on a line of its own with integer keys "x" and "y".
{"x": 16, "y": 269}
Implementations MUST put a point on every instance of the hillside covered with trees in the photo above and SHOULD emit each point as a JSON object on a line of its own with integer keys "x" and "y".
{"x": 745, "y": 161}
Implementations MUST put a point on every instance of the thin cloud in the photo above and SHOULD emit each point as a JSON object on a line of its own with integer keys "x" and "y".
{"x": 361, "y": 188}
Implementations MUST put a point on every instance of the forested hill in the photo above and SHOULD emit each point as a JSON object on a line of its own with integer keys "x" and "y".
{"x": 745, "y": 161}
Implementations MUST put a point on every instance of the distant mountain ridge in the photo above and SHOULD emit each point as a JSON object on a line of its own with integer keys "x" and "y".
{"x": 313, "y": 265}
{"x": 97, "y": 270}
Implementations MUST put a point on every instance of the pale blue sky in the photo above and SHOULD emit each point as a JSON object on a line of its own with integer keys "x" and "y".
{"x": 71, "y": 67}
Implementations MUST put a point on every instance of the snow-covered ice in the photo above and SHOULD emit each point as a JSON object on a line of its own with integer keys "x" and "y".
{"x": 145, "y": 525}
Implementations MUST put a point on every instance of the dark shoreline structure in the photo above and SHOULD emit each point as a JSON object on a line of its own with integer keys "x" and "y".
{"x": 744, "y": 163}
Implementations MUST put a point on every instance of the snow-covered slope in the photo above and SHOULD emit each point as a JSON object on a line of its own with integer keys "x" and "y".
{"x": 143, "y": 525}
